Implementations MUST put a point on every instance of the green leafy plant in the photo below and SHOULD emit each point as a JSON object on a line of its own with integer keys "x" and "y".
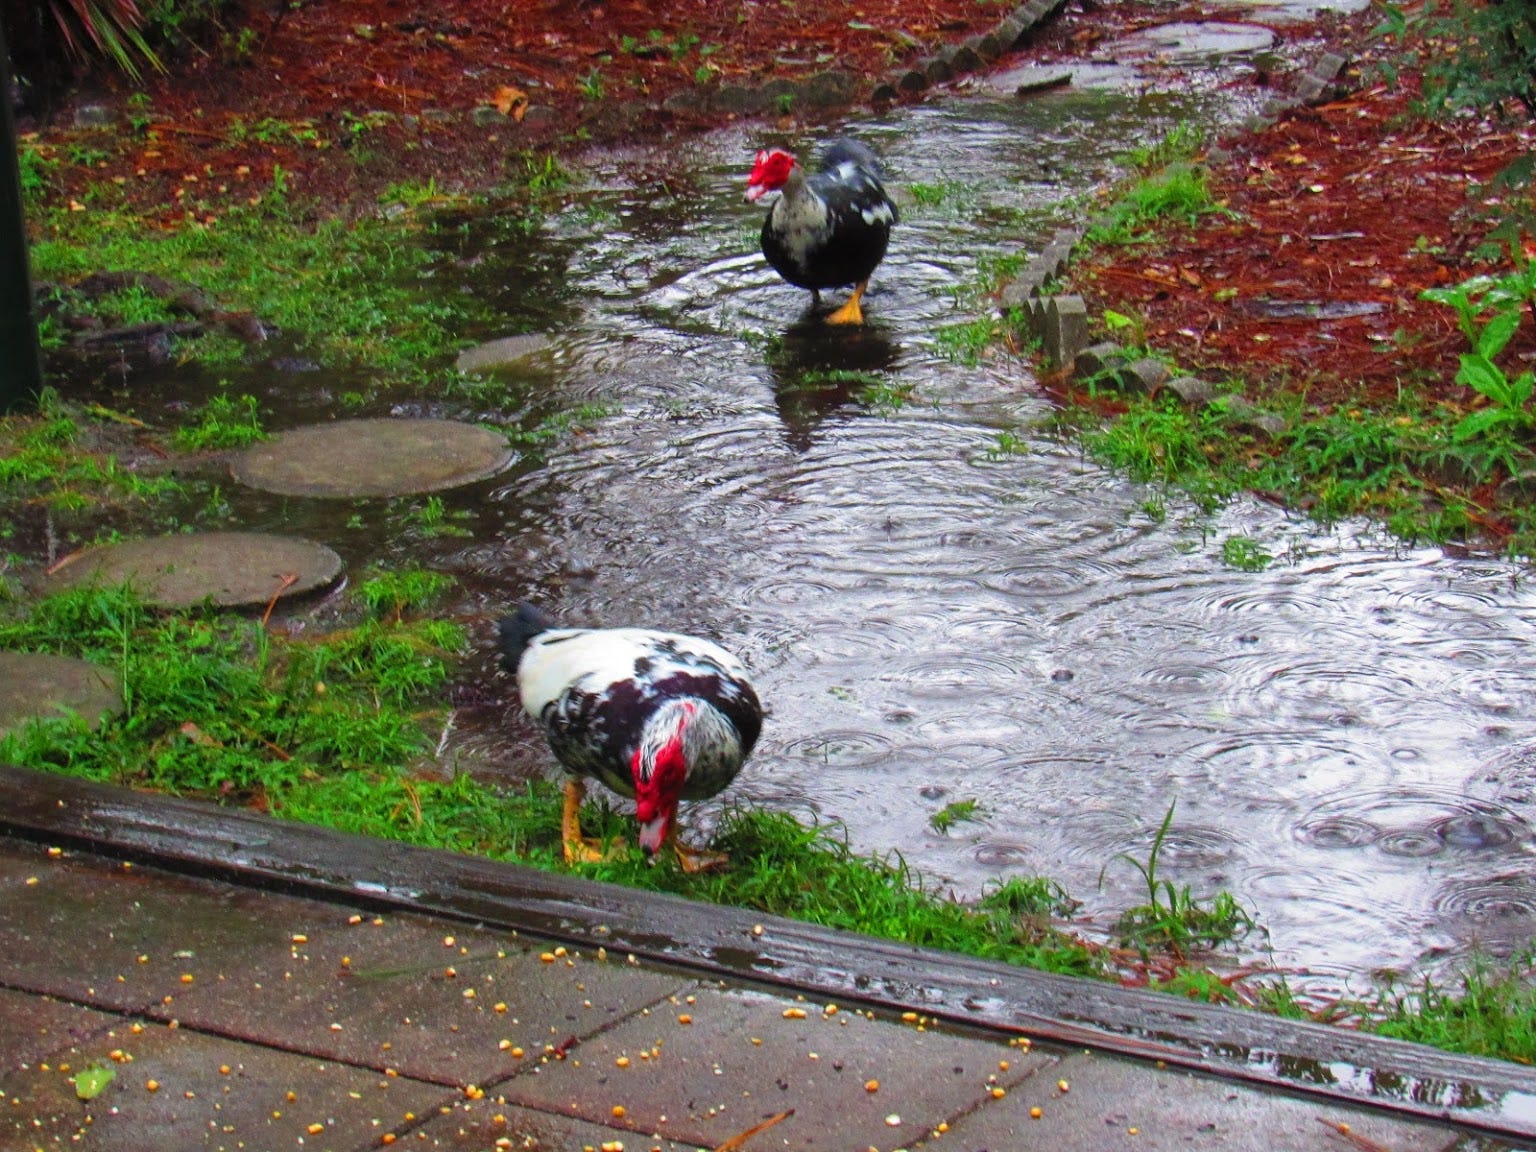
{"x": 1173, "y": 919}
{"x": 591, "y": 85}
{"x": 224, "y": 422}
{"x": 956, "y": 812}
{"x": 104, "y": 29}
{"x": 1507, "y": 298}
{"x": 1245, "y": 554}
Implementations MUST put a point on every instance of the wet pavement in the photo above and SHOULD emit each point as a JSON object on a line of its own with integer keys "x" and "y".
{"x": 257, "y": 1005}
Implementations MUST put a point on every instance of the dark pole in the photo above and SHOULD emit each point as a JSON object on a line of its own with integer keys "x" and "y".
{"x": 21, "y": 366}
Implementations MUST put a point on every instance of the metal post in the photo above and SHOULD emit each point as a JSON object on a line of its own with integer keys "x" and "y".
{"x": 21, "y": 367}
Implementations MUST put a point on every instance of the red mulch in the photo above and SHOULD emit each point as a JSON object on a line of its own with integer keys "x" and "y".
{"x": 213, "y": 130}
{"x": 1351, "y": 203}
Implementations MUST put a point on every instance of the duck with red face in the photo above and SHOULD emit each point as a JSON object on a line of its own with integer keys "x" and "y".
{"x": 656, "y": 716}
{"x": 829, "y": 228}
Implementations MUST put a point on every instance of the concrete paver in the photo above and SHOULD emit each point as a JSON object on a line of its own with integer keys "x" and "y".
{"x": 39, "y": 1028}
{"x": 437, "y": 1001}
{"x": 1116, "y": 1105}
{"x": 478, "y": 1125}
{"x": 715, "y": 1063}
{"x": 175, "y": 1090}
{"x": 101, "y": 933}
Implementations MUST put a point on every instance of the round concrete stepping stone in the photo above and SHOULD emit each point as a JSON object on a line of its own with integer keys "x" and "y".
{"x": 227, "y": 569}
{"x": 1195, "y": 40}
{"x": 355, "y": 458}
{"x": 38, "y": 686}
{"x": 502, "y": 352}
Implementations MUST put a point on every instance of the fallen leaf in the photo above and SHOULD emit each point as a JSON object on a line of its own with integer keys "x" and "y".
{"x": 89, "y": 1082}
{"x": 510, "y": 101}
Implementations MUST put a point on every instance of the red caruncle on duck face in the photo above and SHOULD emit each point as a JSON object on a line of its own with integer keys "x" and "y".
{"x": 770, "y": 172}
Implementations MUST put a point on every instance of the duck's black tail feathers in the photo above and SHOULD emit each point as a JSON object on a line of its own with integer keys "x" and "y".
{"x": 842, "y": 150}
{"x": 516, "y": 630}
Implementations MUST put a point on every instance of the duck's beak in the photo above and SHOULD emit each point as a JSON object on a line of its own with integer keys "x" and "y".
{"x": 653, "y": 833}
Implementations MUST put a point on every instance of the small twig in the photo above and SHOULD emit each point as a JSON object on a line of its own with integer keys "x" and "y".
{"x": 741, "y": 1138}
{"x": 288, "y": 581}
{"x": 1359, "y": 1142}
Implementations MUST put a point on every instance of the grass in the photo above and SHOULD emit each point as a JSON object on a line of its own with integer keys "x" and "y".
{"x": 214, "y": 705}
{"x": 1387, "y": 464}
{"x": 356, "y": 292}
{"x": 62, "y": 458}
{"x": 224, "y": 422}
{"x": 1173, "y": 920}
{"x": 1485, "y": 1011}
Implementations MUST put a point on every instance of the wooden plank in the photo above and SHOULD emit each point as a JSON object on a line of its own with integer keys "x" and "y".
{"x": 1311, "y": 1059}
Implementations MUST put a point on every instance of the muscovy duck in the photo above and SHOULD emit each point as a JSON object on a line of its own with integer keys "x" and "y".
{"x": 829, "y": 228}
{"x": 653, "y": 715}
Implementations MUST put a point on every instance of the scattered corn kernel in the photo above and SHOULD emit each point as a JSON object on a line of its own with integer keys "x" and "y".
{"x": 547, "y": 957}
{"x": 943, "y": 1127}
{"x": 893, "y": 1121}
{"x": 152, "y": 1085}
{"x": 909, "y": 1017}
{"x": 684, "y": 1018}
{"x": 999, "y": 1093}
{"x": 499, "y": 1006}
{"x": 618, "y": 1111}
{"x": 299, "y": 938}
{"x": 223, "y": 1069}
{"x": 474, "y": 1092}
{"x": 871, "y": 1085}
{"x": 186, "y": 977}
{"x": 1002, "y": 1065}
{"x": 622, "y": 1062}
{"x": 315, "y": 1129}
{"x": 1062, "y": 1086}
{"x": 1133, "y": 1131}
{"x": 794, "y": 1013}
{"x": 387, "y": 1138}
{"x": 1035, "y": 1113}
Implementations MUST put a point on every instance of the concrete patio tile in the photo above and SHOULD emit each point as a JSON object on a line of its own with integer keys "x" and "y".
{"x": 209, "y": 1093}
{"x": 1118, "y": 1105}
{"x": 476, "y": 1126}
{"x": 412, "y": 994}
{"x": 701, "y": 1070}
{"x": 91, "y": 930}
{"x": 36, "y": 1028}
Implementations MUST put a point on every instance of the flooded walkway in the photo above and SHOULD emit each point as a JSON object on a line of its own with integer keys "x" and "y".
{"x": 940, "y": 600}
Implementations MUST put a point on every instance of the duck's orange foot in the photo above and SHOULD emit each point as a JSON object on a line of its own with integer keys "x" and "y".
{"x": 851, "y": 312}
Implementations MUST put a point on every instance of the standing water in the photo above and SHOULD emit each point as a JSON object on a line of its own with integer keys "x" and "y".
{"x": 940, "y": 602}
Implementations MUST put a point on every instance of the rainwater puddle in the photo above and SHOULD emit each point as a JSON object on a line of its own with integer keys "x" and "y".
{"x": 1347, "y": 735}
